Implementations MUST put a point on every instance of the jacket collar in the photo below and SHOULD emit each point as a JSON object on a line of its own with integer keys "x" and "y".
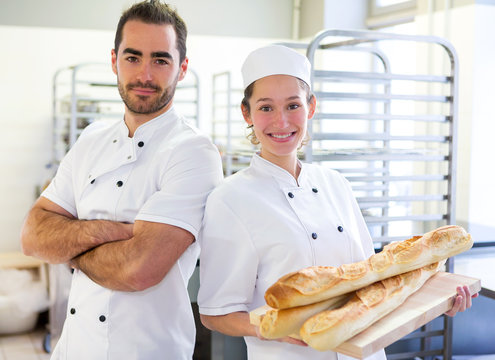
{"x": 266, "y": 168}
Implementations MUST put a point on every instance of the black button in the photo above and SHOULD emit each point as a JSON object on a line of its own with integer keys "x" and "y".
{"x": 140, "y": 144}
{"x": 315, "y": 190}
{"x": 102, "y": 318}
{"x": 340, "y": 229}
{"x": 72, "y": 311}
{"x": 314, "y": 235}
{"x": 291, "y": 195}
{"x": 119, "y": 183}
{"x": 93, "y": 181}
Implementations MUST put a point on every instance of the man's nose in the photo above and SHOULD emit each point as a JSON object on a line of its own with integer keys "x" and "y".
{"x": 144, "y": 74}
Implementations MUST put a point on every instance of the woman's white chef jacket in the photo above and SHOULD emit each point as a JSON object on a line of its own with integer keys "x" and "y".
{"x": 163, "y": 174}
{"x": 261, "y": 224}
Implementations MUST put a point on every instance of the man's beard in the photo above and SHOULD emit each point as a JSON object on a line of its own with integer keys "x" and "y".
{"x": 146, "y": 105}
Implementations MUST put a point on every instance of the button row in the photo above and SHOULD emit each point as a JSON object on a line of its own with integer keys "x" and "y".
{"x": 315, "y": 235}
{"x": 102, "y": 318}
{"x": 118, "y": 183}
{"x": 140, "y": 144}
{"x": 291, "y": 195}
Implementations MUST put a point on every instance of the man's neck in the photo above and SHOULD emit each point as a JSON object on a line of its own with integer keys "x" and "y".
{"x": 134, "y": 120}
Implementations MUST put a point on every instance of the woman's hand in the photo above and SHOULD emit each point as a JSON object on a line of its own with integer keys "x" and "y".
{"x": 462, "y": 301}
{"x": 286, "y": 339}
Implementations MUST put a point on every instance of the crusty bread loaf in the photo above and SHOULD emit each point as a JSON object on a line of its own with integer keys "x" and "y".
{"x": 318, "y": 283}
{"x": 284, "y": 322}
{"x": 328, "y": 329}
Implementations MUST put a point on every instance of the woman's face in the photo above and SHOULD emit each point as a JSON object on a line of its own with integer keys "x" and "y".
{"x": 279, "y": 113}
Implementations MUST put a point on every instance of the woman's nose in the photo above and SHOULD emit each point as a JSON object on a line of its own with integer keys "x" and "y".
{"x": 281, "y": 119}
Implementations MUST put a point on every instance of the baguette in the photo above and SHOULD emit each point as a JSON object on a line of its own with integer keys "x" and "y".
{"x": 318, "y": 283}
{"x": 287, "y": 322}
{"x": 328, "y": 329}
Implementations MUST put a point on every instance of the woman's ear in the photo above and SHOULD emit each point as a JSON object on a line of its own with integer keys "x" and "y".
{"x": 312, "y": 107}
{"x": 246, "y": 115}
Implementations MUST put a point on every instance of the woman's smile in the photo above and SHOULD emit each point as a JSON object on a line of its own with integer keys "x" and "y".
{"x": 282, "y": 136}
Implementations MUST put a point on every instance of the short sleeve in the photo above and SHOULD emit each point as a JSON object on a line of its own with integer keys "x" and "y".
{"x": 228, "y": 262}
{"x": 192, "y": 171}
{"x": 61, "y": 188}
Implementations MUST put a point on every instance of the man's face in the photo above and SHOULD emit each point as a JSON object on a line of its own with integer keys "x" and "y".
{"x": 147, "y": 67}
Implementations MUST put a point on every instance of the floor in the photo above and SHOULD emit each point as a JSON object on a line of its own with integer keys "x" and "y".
{"x": 27, "y": 346}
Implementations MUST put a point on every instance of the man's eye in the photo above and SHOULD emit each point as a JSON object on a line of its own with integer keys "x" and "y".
{"x": 132, "y": 59}
{"x": 161, "y": 62}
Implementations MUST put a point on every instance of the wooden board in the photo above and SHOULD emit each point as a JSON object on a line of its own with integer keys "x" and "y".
{"x": 432, "y": 300}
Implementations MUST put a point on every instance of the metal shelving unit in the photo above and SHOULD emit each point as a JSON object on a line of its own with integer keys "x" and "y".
{"x": 227, "y": 124}
{"x": 88, "y": 92}
{"x": 391, "y": 131}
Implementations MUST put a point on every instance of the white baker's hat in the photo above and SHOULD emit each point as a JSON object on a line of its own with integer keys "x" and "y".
{"x": 275, "y": 60}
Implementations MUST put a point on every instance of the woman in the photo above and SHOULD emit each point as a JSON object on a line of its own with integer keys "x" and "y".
{"x": 278, "y": 215}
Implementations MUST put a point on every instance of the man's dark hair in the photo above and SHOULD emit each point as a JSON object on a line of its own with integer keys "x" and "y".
{"x": 154, "y": 12}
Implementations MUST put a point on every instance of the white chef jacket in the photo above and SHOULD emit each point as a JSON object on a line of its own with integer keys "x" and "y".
{"x": 162, "y": 174}
{"x": 261, "y": 224}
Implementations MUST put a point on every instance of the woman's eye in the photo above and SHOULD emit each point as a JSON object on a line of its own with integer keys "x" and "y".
{"x": 265, "y": 108}
{"x": 293, "y": 106}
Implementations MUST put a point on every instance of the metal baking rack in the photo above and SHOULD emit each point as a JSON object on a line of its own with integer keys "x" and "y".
{"x": 228, "y": 129}
{"x": 88, "y": 92}
{"x": 391, "y": 132}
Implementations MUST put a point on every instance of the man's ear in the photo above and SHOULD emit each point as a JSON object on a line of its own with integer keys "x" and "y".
{"x": 114, "y": 61}
{"x": 183, "y": 69}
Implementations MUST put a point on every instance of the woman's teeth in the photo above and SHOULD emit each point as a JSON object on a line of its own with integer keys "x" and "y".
{"x": 281, "y": 136}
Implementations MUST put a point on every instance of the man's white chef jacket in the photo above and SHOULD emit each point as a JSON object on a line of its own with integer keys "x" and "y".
{"x": 261, "y": 224}
{"x": 162, "y": 174}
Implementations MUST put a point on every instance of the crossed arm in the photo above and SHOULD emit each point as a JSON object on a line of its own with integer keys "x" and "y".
{"x": 118, "y": 256}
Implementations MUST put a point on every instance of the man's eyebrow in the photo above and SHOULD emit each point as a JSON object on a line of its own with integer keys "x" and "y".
{"x": 162, "y": 54}
{"x": 156, "y": 54}
{"x": 132, "y": 51}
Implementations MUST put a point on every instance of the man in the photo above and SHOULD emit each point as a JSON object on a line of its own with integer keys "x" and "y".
{"x": 126, "y": 205}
